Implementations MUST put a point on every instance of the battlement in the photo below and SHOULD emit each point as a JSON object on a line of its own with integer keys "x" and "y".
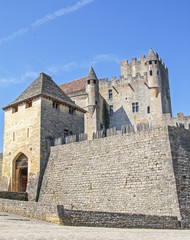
{"x": 138, "y": 66}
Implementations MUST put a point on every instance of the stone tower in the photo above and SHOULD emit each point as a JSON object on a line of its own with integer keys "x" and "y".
{"x": 40, "y": 114}
{"x": 154, "y": 83}
{"x": 157, "y": 78}
{"x": 92, "y": 90}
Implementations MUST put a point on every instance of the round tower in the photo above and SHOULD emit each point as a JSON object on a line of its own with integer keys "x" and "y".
{"x": 154, "y": 83}
{"x": 91, "y": 117}
{"x": 92, "y": 88}
{"x": 153, "y": 72}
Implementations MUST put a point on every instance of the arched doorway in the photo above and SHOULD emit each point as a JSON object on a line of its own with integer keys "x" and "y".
{"x": 21, "y": 173}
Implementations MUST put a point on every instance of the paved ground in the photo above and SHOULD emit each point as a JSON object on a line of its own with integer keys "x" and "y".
{"x": 14, "y": 227}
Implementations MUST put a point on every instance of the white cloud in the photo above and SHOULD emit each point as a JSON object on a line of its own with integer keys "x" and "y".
{"x": 59, "y": 69}
{"x": 60, "y": 12}
{"x": 14, "y": 35}
{"x": 47, "y": 18}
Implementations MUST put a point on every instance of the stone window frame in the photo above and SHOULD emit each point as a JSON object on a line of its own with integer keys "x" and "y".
{"x": 55, "y": 105}
{"x": 15, "y": 109}
{"x": 148, "y": 109}
{"x": 71, "y": 110}
{"x": 110, "y": 94}
{"x": 28, "y": 104}
{"x": 135, "y": 107}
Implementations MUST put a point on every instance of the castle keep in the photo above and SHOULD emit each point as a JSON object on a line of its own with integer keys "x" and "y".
{"x": 109, "y": 152}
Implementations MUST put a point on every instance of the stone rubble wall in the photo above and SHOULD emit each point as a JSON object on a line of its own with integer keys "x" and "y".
{"x": 1, "y": 163}
{"x": 180, "y": 149}
{"x": 130, "y": 174}
{"x": 47, "y": 212}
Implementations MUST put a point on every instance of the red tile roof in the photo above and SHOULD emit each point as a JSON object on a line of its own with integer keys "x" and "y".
{"x": 74, "y": 86}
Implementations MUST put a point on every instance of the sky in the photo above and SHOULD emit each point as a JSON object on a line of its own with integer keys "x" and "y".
{"x": 63, "y": 38}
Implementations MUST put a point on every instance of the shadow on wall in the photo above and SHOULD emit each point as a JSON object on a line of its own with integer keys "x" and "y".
{"x": 117, "y": 220}
{"x": 180, "y": 149}
{"x": 119, "y": 119}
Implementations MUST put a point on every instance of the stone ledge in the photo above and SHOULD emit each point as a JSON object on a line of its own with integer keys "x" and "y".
{"x": 46, "y": 212}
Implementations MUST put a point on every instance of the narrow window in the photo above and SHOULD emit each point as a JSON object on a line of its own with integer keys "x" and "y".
{"x": 29, "y": 104}
{"x": 71, "y": 110}
{"x": 135, "y": 107}
{"x": 155, "y": 62}
{"x": 94, "y": 81}
{"x": 88, "y": 81}
{"x": 157, "y": 72}
{"x": 15, "y": 109}
{"x": 13, "y": 136}
{"x": 150, "y": 72}
{"x": 111, "y": 110}
{"x": 110, "y": 94}
{"x": 28, "y": 132}
{"x": 150, "y": 62}
{"x": 55, "y": 105}
{"x": 148, "y": 109}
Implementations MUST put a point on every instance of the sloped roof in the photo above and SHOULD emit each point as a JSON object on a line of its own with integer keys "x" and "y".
{"x": 151, "y": 56}
{"x": 91, "y": 74}
{"x": 44, "y": 86}
{"x": 74, "y": 86}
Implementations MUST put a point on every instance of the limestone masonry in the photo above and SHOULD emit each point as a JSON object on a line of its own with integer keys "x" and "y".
{"x": 97, "y": 152}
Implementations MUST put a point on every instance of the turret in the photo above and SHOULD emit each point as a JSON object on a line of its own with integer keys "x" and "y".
{"x": 92, "y": 89}
{"x": 153, "y": 72}
{"x": 154, "y": 83}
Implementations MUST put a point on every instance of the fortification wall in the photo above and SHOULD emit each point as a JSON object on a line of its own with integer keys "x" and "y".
{"x": 180, "y": 149}
{"x": 130, "y": 174}
{"x": 1, "y": 163}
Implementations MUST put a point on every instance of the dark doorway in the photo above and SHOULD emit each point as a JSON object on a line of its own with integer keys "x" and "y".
{"x": 21, "y": 174}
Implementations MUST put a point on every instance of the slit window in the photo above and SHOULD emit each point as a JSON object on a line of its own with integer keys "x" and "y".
{"x": 28, "y": 132}
{"x": 148, "y": 109}
{"x": 88, "y": 81}
{"x": 13, "y": 136}
{"x": 55, "y": 105}
{"x": 155, "y": 62}
{"x": 150, "y": 72}
{"x": 157, "y": 72}
{"x": 15, "y": 109}
{"x": 111, "y": 110}
{"x": 150, "y": 62}
{"x": 135, "y": 107}
{"x": 110, "y": 94}
{"x": 71, "y": 110}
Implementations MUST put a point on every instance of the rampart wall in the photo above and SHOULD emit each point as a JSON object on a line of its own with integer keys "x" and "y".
{"x": 180, "y": 149}
{"x": 1, "y": 163}
{"x": 130, "y": 174}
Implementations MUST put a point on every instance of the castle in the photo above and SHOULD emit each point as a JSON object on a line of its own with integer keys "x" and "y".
{"x": 102, "y": 146}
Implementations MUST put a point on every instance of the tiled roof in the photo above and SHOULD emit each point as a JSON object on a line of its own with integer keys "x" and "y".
{"x": 74, "y": 86}
{"x": 44, "y": 86}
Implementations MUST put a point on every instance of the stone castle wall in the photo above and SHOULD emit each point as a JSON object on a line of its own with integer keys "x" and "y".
{"x": 180, "y": 149}
{"x": 1, "y": 162}
{"x": 130, "y": 174}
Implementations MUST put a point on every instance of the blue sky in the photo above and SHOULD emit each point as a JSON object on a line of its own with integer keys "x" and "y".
{"x": 64, "y": 37}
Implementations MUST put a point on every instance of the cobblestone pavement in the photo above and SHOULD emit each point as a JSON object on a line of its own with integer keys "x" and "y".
{"x": 14, "y": 227}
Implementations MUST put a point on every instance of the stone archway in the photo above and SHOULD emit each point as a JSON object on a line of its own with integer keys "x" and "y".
{"x": 21, "y": 173}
